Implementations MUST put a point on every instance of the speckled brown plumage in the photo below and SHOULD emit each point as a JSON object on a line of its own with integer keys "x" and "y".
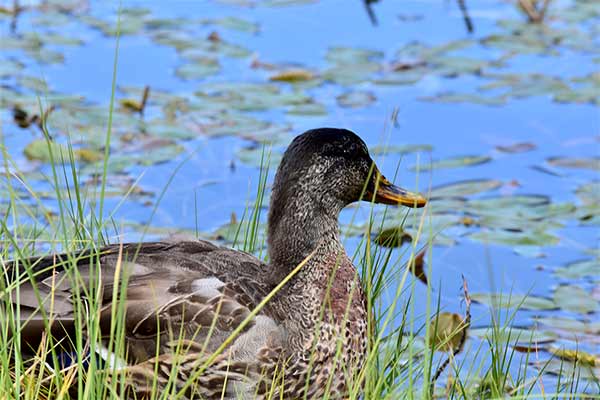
{"x": 186, "y": 298}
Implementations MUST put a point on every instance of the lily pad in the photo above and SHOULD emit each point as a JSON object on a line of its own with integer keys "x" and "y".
{"x": 511, "y": 238}
{"x": 571, "y": 325}
{"x": 450, "y": 97}
{"x": 568, "y": 371}
{"x": 349, "y": 55}
{"x": 454, "y": 162}
{"x": 589, "y": 193}
{"x": 392, "y": 237}
{"x": 308, "y": 109}
{"x": 592, "y": 163}
{"x": 233, "y": 23}
{"x": 523, "y": 302}
{"x": 520, "y": 147}
{"x": 465, "y": 188}
{"x": 579, "y": 269}
{"x": 514, "y": 335}
{"x": 293, "y": 76}
{"x": 41, "y": 150}
{"x": 356, "y": 99}
{"x": 199, "y": 68}
{"x": 446, "y": 332}
{"x": 258, "y": 156}
{"x": 402, "y": 149}
{"x": 235, "y": 232}
{"x": 575, "y": 299}
{"x": 577, "y": 356}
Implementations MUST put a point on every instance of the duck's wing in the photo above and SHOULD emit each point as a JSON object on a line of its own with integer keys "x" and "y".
{"x": 190, "y": 295}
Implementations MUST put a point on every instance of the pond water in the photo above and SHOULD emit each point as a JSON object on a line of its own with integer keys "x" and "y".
{"x": 510, "y": 110}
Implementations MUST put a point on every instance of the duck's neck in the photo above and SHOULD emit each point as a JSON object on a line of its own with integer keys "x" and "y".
{"x": 299, "y": 222}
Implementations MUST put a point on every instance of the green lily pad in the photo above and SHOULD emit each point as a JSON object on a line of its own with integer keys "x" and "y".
{"x": 575, "y": 299}
{"x": 589, "y": 193}
{"x": 523, "y": 302}
{"x": 406, "y": 77}
{"x": 592, "y": 163}
{"x": 454, "y": 162}
{"x": 514, "y": 335}
{"x": 449, "y": 97}
{"x": 308, "y": 109}
{"x": 41, "y": 150}
{"x": 295, "y": 75}
{"x": 568, "y": 371}
{"x": 520, "y": 212}
{"x": 38, "y": 85}
{"x": 350, "y": 55}
{"x": 446, "y": 332}
{"x": 10, "y": 67}
{"x": 511, "y": 238}
{"x": 520, "y": 147}
{"x": 392, "y": 237}
{"x": 157, "y": 151}
{"x": 233, "y": 23}
{"x": 571, "y": 325}
{"x": 356, "y": 99}
{"x": 351, "y": 74}
{"x": 579, "y": 269}
{"x": 199, "y": 68}
{"x": 235, "y": 232}
{"x": 465, "y": 188}
{"x": 403, "y": 149}
{"x": 257, "y": 156}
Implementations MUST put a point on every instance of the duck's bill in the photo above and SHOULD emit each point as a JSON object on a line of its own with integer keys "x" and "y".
{"x": 388, "y": 193}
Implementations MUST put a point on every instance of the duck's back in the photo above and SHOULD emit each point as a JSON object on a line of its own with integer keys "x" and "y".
{"x": 182, "y": 302}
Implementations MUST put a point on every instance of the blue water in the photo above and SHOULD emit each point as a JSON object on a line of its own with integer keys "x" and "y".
{"x": 301, "y": 35}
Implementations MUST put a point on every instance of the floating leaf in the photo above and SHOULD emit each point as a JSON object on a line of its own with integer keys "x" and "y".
{"x": 257, "y": 156}
{"x": 236, "y": 232}
{"x": 308, "y": 109}
{"x": 131, "y": 105}
{"x": 465, "y": 188}
{"x": 568, "y": 370}
{"x": 54, "y": 152}
{"x": 351, "y": 74}
{"x": 392, "y": 237}
{"x": 514, "y": 335}
{"x": 405, "y": 77}
{"x": 293, "y": 76}
{"x": 199, "y": 68}
{"x": 234, "y": 23}
{"x": 592, "y": 163}
{"x": 575, "y": 299}
{"x": 356, "y": 99}
{"x": 454, "y": 162}
{"x": 523, "y": 302}
{"x": 10, "y": 67}
{"x": 578, "y": 356}
{"x": 349, "y": 55}
{"x": 448, "y": 97}
{"x": 579, "y": 269}
{"x": 571, "y": 325}
{"x": 446, "y": 332}
{"x": 520, "y": 147}
{"x": 589, "y": 193}
{"x": 405, "y": 149}
{"x": 511, "y": 238}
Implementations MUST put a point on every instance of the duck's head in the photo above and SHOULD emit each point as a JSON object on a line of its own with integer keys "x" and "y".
{"x": 334, "y": 165}
{"x": 322, "y": 171}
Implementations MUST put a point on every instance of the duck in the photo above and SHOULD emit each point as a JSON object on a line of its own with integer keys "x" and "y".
{"x": 209, "y": 322}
